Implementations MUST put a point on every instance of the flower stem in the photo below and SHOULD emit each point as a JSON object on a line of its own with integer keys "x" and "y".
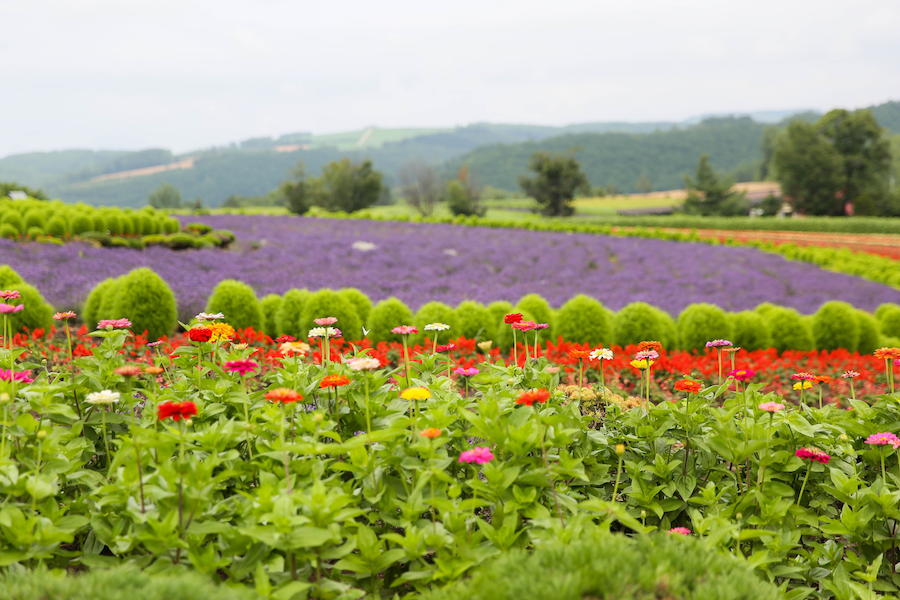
{"x": 618, "y": 474}
{"x": 803, "y": 487}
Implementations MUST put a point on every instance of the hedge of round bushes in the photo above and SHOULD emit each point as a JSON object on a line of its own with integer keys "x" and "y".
{"x": 147, "y": 300}
{"x": 55, "y": 222}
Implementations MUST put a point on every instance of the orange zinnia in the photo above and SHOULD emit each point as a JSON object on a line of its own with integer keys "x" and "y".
{"x": 656, "y": 346}
{"x": 431, "y": 432}
{"x": 530, "y": 397}
{"x": 283, "y": 395}
{"x": 334, "y": 381}
{"x": 579, "y": 354}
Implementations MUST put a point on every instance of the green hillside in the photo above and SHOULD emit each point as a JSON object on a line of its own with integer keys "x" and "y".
{"x": 888, "y": 115}
{"x": 37, "y": 169}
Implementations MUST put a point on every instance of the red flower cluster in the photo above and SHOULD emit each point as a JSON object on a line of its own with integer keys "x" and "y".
{"x": 530, "y": 397}
{"x": 177, "y": 410}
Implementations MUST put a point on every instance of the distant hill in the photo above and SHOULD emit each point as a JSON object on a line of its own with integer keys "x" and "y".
{"x": 888, "y": 115}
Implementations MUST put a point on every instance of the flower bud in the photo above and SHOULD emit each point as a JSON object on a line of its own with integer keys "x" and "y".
{"x": 318, "y": 417}
{"x": 620, "y": 449}
{"x": 843, "y": 437}
{"x": 643, "y": 514}
{"x": 4, "y": 398}
{"x": 189, "y": 422}
{"x": 739, "y": 516}
{"x": 41, "y": 434}
{"x": 511, "y": 381}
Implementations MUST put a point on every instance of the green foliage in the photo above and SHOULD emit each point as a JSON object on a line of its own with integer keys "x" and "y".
{"x": 386, "y": 315}
{"x": 869, "y": 337}
{"x": 788, "y": 329}
{"x": 701, "y": 323}
{"x": 360, "y": 302}
{"x": 329, "y": 303}
{"x": 463, "y": 196}
{"x": 599, "y": 565}
{"x": 638, "y": 322}
{"x": 237, "y": 301}
{"x": 475, "y": 321}
{"x": 37, "y": 314}
{"x": 112, "y": 223}
{"x": 436, "y": 312}
{"x": 710, "y": 195}
{"x": 8, "y": 231}
{"x": 11, "y": 186}
{"x": 346, "y": 186}
{"x": 91, "y": 313}
{"x": 835, "y": 325}
{"x": 669, "y": 336}
{"x": 198, "y": 228}
{"x": 34, "y": 232}
{"x": 888, "y": 316}
{"x": 584, "y": 319}
{"x": 148, "y": 302}
{"x": 557, "y": 178}
{"x": 537, "y": 307}
{"x": 289, "y": 313}
{"x": 57, "y": 227}
{"x": 171, "y": 225}
{"x": 34, "y": 218}
{"x": 298, "y": 192}
{"x": 120, "y": 583}
{"x": 14, "y": 220}
{"x": 750, "y": 331}
{"x": 82, "y": 223}
{"x": 269, "y": 306}
{"x": 165, "y": 196}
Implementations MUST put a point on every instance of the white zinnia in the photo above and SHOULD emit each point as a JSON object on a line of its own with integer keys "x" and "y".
{"x": 365, "y": 363}
{"x": 104, "y": 397}
{"x": 437, "y": 327}
{"x": 210, "y": 317}
{"x": 604, "y": 353}
{"x": 317, "y": 332}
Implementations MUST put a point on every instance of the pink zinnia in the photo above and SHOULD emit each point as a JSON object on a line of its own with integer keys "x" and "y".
{"x": 477, "y": 455}
{"x": 241, "y": 366}
{"x": 813, "y": 454}
{"x": 471, "y": 372}
{"x": 9, "y": 308}
{"x": 445, "y": 347}
{"x": 542, "y": 325}
{"x": 404, "y": 330}
{"x": 9, "y": 294}
{"x": 646, "y": 355}
{"x": 20, "y": 377}
{"x": 524, "y": 325}
{"x": 850, "y": 374}
{"x": 680, "y": 530}
{"x": 771, "y": 407}
{"x": 718, "y": 344}
{"x": 326, "y": 321}
{"x": 742, "y": 374}
{"x": 883, "y": 439}
{"x": 156, "y": 343}
{"x": 803, "y": 376}
{"x": 113, "y": 324}
{"x": 62, "y": 316}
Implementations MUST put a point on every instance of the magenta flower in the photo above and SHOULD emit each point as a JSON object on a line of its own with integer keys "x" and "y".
{"x": 471, "y": 372}
{"x": 156, "y": 343}
{"x": 20, "y": 377}
{"x": 242, "y": 367}
{"x": 524, "y": 325}
{"x": 813, "y": 454}
{"x": 477, "y": 455}
{"x": 404, "y": 330}
{"x": 9, "y": 308}
{"x": 771, "y": 407}
{"x": 680, "y": 530}
{"x": 542, "y": 325}
{"x": 324, "y": 321}
{"x": 718, "y": 344}
{"x": 114, "y": 324}
{"x": 742, "y": 374}
{"x": 9, "y": 294}
{"x": 803, "y": 376}
{"x": 883, "y": 439}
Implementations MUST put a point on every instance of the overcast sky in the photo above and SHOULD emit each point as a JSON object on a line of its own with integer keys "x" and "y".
{"x": 182, "y": 74}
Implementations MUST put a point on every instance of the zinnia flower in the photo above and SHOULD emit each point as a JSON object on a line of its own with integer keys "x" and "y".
{"x": 471, "y": 372}
{"x": 646, "y": 354}
{"x": 283, "y": 395}
{"x": 437, "y": 327}
{"x": 803, "y": 376}
{"x": 153, "y": 370}
{"x": 883, "y": 439}
{"x": 771, "y": 407}
{"x": 325, "y": 321}
{"x": 177, "y": 410}
{"x": 103, "y": 397}
{"x": 601, "y": 354}
{"x": 62, "y": 316}
{"x": 242, "y": 366}
{"x": 20, "y": 376}
{"x": 404, "y": 330}
{"x": 651, "y": 345}
{"x": 333, "y": 381}
{"x": 718, "y": 344}
{"x": 154, "y": 344}
{"x": 542, "y": 325}
{"x": 210, "y": 316}
{"x": 523, "y": 325}
{"x": 446, "y": 347}
{"x": 431, "y": 432}
{"x": 128, "y": 371}
{"x": 221, "y": 331}
{"x": 9, "y": 294}
{"x": 850, "y": 374}
{"x": 485, "y": 347}
{"x": 364, "y": 363}
{"x": 803, "y": 384}
{"x": 199, "y": 334}
{"x": 9, "y": 308}
{"x": 887, "y": 353}
{"x": 813, "y": 454}
{"x": 579, "y": 354}
{"x": 742, "y": 374}
{"x": 680, "y": 531}
{"x": 688, "y": 385}
{"x": 300, "y": 349}
{"x": 477, "y": 455}
{"x": 641, "y": 364}
{"x": 113, "y": 324}
{"x": 824, "y": 379}
{"x": 512, "y": 318}
{"x": 416, "y": 393}
{"x": 530, "y": 397}
{"x": 281, "y": 339}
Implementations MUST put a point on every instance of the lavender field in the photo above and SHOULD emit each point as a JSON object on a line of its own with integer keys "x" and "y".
{"x": 423, "y": 262}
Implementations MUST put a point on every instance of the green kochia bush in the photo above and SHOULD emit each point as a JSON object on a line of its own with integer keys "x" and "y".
{"x": 329, "y": 303}
{"x": 638, "y": 322}
{"x": 788, "y": 329}
{"x": 359, "y": 301}
{"x": 93, "y": 305}
{"x": 540, "y": 309}
{"x": 598, "y": 565}
{"x": 436, "y": 312}
{"x": 889, "y": 319}
{"x": 269, "y": 307}
{"x": 750, "y": 331}
{"x": 474, "y": 321}
{"x": 148, "y": 302}
{"x": 237, "y": 301}
{"x": 835, "y": 325}
{"x": 700, "y": 323}
{"x": 120, "y": 583}
{"x": 289, "y": 313}
{"x": 583, "y": 319}
{"x": 869, "y": 338}
{"x": 386, "y": 315}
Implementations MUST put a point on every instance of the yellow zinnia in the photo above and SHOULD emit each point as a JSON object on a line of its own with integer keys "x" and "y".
{"x": 641, "y": 364}
{"x": 417, "y": 393}
{"x": 806, "y": 385}
{"x": 220, "y": 331}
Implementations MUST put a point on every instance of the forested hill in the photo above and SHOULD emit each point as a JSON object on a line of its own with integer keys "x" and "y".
{"x": 664, "y": 157}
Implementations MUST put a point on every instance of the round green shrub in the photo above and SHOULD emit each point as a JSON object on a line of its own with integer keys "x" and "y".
{"x": 9, "y": 277}
{"x": 140, "y": 220}
{"x": 57, "y": 227}
{"x": 8, "y": 232}
{"x": 750, "y": 331}
{"x": 835, "y": 325}
{"x": 584, "y": 319}
{"x": 181, "y": 241}
{"x": 788, "y": 329}
{"x": 498, "y": 310}
{"x": 37, "y": 314}
{"x": 637, "y": 322}
{"x": 435, "y": 312}
{"x": 540, "y": 309}
{"x": 237, "y": 301}
{"x": 112, "y": 223}
{"x": 869, "y": 338}
{"x": 700, "y": 323}
{"x": 765, "y": 308}
{"x": 269, "y": 306}
{"x": 360, "y": 302}
{"x": 92, "y": 306}
{"x": 34, "y": 218}
{"x": 287, "y": 320}
{"x": 82, "y": 224}
{"x": 889, "y": 319}
{"x": 883, "y": 308}
{"x": 35, "y": 232}
{"x": 386, "y": 315}
{"x": 329, "y": 303}
{"x": 127, "y": 224}
{"x": 598, "y": 565}
{"x": 474, "y": 321}
{"x": 669, "y": 335}
{"x": 198, "y": 228}
{"x": 107, "y": 309}
{"x": 171, "y": 225}
{"x": 99, "y": 222}
{"x": 148, "y": 302}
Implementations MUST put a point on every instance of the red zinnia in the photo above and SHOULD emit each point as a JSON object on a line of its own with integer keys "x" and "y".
{"x": 688, "y": 385}
{"x": 200, "y": 334}
{"x": 334, "y": 381}
{"x": 512, "y": 318}
{"x": 285, "y": 338}
{"x": 528, "y": 398}
{"x": 177, "y": 410}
